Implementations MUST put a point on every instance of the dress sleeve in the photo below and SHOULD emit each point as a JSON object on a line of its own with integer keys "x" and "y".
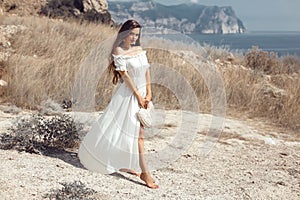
{"x": 120, "y": 63}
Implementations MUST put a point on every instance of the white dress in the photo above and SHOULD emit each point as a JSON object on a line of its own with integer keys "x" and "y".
{"x": 112, "y": 142}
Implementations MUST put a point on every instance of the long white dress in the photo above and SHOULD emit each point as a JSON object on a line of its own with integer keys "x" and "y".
{"x": 112, "y": 142}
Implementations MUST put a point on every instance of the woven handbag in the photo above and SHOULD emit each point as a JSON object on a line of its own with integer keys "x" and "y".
{"x": 144, "y": 116}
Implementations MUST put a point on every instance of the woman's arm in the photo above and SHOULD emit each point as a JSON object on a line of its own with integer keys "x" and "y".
{"x": 125, "y": 76}
{"x": 148, "y": 88}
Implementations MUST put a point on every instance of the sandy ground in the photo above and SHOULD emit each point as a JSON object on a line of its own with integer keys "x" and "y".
{"x": 251, "y": 160}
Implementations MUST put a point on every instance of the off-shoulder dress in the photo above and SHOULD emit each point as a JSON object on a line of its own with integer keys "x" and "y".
{"x": 112, "y": 142}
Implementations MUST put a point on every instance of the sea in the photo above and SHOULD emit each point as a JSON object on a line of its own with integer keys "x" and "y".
{"x": 282, "y": 43}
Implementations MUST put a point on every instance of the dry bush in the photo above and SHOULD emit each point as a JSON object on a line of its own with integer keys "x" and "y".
{"x": 39, "y": 134}
{"x": 74, "y": 190}
{"x": 259, "y": 60}
{"x": 214, "y": 52}
{"x": 270, "y": 63}
{"x": 223, "y": 54}
{"x": 291, "y": 64}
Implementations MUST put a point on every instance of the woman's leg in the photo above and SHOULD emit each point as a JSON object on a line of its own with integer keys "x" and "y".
{"x": 145, "y": 175}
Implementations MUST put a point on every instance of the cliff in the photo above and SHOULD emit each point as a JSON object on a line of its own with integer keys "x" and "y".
{"x": 89, "y": 10}
{"x": 186, "y": 18}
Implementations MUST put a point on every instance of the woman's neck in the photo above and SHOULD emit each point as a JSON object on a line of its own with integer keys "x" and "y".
{"x": 126, "y": 47}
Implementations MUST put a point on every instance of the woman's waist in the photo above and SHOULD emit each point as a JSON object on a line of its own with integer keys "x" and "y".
{"x": 128, "y": 90}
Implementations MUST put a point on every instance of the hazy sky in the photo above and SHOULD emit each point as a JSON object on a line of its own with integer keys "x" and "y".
{"x": 257, "y": 15}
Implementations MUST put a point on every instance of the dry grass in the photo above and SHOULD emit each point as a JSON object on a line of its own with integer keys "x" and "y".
{"x": 176, "y": 97}
{"x": 270, "y": 63}
{"x": 48, "y": 54}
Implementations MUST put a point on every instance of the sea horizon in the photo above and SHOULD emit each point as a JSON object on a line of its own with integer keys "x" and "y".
{"x": 281, "y": 42}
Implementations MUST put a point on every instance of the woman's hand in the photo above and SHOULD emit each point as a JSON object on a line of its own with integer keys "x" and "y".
{"x": 142, "y": 101}
{"x": 148, "y": 97}
{"x": 147, "y": 100}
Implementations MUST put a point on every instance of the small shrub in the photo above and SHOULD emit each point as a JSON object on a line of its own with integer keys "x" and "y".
{"x": 76, "y": 190}
{"x": 291, "y": 64}
{"x": 263, "y": 61}
{"x": 36, "y": 133}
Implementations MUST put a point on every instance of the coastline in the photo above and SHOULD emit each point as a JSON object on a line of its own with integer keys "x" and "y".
{"x": 282, "y": 42}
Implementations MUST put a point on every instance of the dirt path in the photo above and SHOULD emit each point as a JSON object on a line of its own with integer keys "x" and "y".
{"x": 247, "y": 162}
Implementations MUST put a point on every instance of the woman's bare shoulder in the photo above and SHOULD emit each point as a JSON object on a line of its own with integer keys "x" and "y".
{"x": 118, "y": 51}
{"x": 137, "y": 48}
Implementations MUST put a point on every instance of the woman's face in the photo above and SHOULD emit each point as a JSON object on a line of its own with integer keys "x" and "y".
{"x": 132, "y": 36}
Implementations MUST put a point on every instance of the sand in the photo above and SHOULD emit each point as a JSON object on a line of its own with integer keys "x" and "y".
{"x": 250, "y": 160}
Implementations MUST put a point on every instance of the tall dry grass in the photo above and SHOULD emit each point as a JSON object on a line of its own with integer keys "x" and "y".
{"x": 48, "y": 54}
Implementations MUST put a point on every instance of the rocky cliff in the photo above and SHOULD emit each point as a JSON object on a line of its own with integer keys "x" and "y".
{"x": 186, "y": 18}
{"x": 90, "y": 10}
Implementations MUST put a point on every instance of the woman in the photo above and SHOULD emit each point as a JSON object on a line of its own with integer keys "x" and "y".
{"x": 116, "y": 141}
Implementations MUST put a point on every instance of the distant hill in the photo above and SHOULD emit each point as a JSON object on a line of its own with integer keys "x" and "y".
{"x": 186, "y": 18}
{"x": 88, "y": 10}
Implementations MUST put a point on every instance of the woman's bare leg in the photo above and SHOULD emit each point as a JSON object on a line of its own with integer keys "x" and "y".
{"x": 145, "y": 175}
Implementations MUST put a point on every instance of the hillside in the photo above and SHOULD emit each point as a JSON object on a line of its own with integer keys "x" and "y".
{"x": 82, "y": 10}
{"x": 186, "y": 18}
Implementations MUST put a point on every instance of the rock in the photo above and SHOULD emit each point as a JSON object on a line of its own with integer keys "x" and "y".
{"x": 99, "y": 5}
{"x": 49, "y": 107}
{"x": 269, "y": 141}
{"x": 89, "y": 10}
{"x": 2, "y": 39}
{"x": 272, "y": 91}
{"x": 3, "y": 83}
{"x": 13, "y": 110}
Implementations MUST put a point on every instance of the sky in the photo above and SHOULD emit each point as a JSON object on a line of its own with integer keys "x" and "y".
{"x": 257, "y": 15}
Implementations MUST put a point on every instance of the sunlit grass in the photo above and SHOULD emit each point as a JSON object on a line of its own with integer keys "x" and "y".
{"x": 48, "y": 53}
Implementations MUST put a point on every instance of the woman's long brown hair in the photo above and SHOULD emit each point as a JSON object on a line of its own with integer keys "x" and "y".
{"x": 122, "y": 34}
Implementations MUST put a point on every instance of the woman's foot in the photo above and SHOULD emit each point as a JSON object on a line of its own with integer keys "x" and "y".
{"x": 130, "y": 171}
{"x": 148, "y": 180}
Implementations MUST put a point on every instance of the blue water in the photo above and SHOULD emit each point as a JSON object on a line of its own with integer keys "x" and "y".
{"x": 282, "y": 43}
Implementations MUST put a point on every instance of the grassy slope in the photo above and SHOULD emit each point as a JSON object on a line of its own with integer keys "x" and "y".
{"x": 48, "y": 54}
